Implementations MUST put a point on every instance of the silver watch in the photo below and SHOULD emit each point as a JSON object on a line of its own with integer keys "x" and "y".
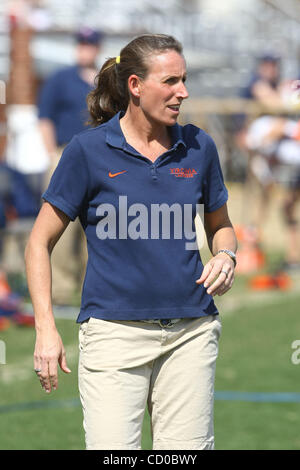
{"x": 229, "y": 253}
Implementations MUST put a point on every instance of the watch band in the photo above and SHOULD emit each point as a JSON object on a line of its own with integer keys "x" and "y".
{"x": 229, "y": 253}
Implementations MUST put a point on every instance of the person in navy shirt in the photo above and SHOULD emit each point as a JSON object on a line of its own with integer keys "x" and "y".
{"x": 262, "y": 87}
{"x": 264, "y": 83}
{"x": 63, "y": 113}
{"x": 62, "y": 106}
{"x": 149, "y": 327}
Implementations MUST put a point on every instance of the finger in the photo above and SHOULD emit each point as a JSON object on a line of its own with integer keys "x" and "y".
{"x": 206, "y": 271}
{"x": 53, "y": 374}
{"x": 221, "y": 290}
{"x": 39, "y": 367}
{"x": 63, "y": 363}
{"x": 225, "y": 287}
{"x": 213, "y": 288}
{"x": 44, "y": 376}
{"x": 215, "y": 278}
{"x": 223, "y": 281}
{"x": 38, "y": 374}
{"x": 36, "y": 365}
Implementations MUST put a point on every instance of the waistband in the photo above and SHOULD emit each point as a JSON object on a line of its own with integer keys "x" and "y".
{"x": 165, "y": 322}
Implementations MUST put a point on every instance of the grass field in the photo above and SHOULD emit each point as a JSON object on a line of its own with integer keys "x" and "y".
{"x": 254, "y": 356}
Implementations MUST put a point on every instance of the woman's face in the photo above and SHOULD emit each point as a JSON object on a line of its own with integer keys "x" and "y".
{"x": 163, "y": 90}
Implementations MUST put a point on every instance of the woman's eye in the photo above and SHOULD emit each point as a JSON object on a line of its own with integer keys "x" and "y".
{"x": 171, "y": 80}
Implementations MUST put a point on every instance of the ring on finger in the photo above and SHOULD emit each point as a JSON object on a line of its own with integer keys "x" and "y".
{"x": 225, "y": 272}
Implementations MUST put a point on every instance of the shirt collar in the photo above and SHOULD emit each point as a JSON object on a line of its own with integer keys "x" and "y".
{"x": 177, "y": 137}
{"x": 115, "y": 136}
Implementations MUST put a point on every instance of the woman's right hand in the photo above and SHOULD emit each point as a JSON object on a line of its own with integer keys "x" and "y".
{"x": 49, "y": 350}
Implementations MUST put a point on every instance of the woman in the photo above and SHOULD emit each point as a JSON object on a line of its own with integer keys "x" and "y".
{"x": 149, "y": 328}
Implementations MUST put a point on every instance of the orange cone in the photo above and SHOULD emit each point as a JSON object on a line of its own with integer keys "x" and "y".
{"x": 4, "y": 323}
{"x": 4, "y": 286}
{"x": 270, "y": 281}
{"x": 249, "y": 256}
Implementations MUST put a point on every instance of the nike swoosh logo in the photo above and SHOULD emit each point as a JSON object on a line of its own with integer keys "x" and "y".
{"x": 112, "y": 175}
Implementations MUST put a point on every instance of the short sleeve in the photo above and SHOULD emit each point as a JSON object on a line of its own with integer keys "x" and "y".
{"x": 48, "y": 99}
{"x": 215, "y": 194}
{"x": 68, "y": 187}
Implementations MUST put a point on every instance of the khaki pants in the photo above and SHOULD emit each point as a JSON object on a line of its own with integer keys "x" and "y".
{"x": 123, "y": 365}
{"x": 69, "y": 256}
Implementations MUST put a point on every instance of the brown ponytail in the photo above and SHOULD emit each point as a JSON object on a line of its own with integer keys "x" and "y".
{"x": 111, "y": 93}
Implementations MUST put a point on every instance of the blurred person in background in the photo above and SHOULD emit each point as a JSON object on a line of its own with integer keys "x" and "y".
{"x": 62, "y": 114}
{"x": 16, "y": 201}
{"x": 265, "y": 81}
{"x": 149, "y": 327}
{"x": 62, "y": 102}
{"x": 273, "y": 140}
{"x": 274, "y": 143}
{"x": 263, "y": 87}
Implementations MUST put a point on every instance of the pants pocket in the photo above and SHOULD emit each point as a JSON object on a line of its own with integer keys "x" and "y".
{"x": 82, "y": 333}
{"x": 218, "y": 326}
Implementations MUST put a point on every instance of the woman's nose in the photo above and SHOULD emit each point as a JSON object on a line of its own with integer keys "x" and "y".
{"x": 182, "y": 92}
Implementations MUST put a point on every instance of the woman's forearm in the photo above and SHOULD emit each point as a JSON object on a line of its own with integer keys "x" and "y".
{"x": 49, "y": 349}
{"x": 38, "y": 271}
{"x": 224, "y": 238}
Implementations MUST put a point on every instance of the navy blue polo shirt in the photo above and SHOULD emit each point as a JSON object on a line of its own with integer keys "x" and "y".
{"x": 63, "y": 101}
{"x": 138, "y": 220}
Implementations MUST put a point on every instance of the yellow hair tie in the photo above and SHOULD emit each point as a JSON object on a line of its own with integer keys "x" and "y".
{"x": 118, "y": 59}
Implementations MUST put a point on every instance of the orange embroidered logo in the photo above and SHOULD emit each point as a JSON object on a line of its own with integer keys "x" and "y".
{"x": 112, "y": 175}
{"x": 183, "y": 172}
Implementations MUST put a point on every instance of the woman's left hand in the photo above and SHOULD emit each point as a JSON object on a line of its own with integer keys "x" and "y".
{"x": 218, "y": 275}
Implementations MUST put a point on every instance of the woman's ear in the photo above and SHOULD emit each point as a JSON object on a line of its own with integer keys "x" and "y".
{"x": 134, "y": 86}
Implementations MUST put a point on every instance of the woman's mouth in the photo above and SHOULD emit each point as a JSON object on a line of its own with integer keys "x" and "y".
{"x": 174, "y": 108}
